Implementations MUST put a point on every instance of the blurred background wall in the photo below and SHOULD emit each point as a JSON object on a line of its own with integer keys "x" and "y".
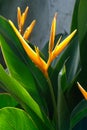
{"x": 43, "y": 11}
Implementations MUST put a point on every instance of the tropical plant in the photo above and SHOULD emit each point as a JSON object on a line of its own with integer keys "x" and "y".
{"x": 39, "y": 84}
{"x": 79, "y": 20}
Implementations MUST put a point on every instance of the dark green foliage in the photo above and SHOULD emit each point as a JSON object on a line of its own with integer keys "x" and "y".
{"x": 22, "y": 80}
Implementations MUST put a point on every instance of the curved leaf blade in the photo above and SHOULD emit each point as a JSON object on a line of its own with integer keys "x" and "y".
{"x": 20, "y": 72}
{"x": 63, "y": 110}
{"x": 15, "y": 119}
{"x": 8, "y": 33}
{"x": 79, "y": 112}
{"x": 22, "y": 96}
{"x": 72, "y": 57}
{"x": 7, "y": 100}
{"x": 82, "y": 19}
{"x": 74, "y": 22}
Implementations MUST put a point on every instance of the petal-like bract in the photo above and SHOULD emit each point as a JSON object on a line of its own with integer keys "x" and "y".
{"x": 82, "y": 90}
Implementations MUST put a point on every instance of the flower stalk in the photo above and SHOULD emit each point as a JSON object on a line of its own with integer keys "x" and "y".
{"x": 34, "y": 55}
{"x": 53, "y": 101}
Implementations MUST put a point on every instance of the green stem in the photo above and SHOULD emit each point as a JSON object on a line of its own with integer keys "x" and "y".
{"x": 53, "y": 101}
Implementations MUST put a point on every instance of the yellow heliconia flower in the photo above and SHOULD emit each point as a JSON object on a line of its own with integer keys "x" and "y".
{"x": 52, "y": 34}
{"x": 29, "y": 30}
{"x": 82, "y": 90}
{"x": 21, "y": 18}
{"x": 34, "y": 55}
{"x": 21, "y": 21}
{"x": 53, "y": 53}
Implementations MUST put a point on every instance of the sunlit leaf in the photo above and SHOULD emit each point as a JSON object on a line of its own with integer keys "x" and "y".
{"x": 20, "y": 71}
{"x": 22, "y": 96}
{"x": 15, "y": 119}
{"x": 15, "y": 45}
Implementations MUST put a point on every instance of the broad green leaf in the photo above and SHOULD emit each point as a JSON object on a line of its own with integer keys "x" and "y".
{"x": 23, "y": 97}
{"x": 63, "y": 110}
{"x": 74, "y": 22}
{"x": 79, "y": 20}
{"x": 20, "y": 72}
{"x": 82, "y": 19}
{"x": 82, "y": 31}
{"x": 13, "y": 41}
{"x": 73, "y": 63}
{"x": 15, "y": 119}
{"x": 7, "y": 100}
{"x": 11, "y": 38}
{"x": 41, "y": 82}
{"x": 72, "y": 57}
{"x": 9, "y": 34}
{"x": 82, "y": 125}
{"x": 17, "y": 90}
{"x": 79, "y": 112}
{"x": 83, "y": 54}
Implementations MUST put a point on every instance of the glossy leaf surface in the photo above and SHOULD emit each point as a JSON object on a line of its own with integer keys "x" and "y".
{"x": 15, "y": 119}
{"x": 7, "y": 100}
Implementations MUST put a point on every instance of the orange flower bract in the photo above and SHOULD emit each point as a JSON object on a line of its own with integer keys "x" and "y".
{"x": 34, "y": 55}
